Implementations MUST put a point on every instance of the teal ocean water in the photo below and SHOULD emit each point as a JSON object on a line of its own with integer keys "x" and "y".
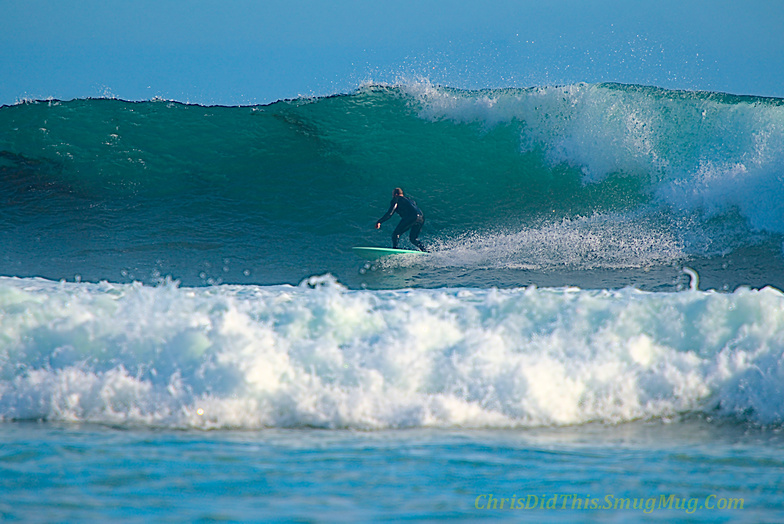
{"x": 185, "y": 333}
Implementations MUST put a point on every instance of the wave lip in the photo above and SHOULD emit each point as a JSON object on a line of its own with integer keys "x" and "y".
{"x": 319, "y": 355}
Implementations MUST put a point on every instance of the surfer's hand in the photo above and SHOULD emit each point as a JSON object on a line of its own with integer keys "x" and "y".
{"x": 378, "y": 225}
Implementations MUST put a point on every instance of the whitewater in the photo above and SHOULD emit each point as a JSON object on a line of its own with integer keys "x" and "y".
{"x": 601, "y": 310}
{"x": 320, "y": 355}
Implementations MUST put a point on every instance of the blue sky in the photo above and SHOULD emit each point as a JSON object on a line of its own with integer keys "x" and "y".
{"x": 244, "y": 52}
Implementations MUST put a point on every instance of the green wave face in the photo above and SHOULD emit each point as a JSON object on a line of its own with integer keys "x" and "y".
{"x": 698, "y": 173}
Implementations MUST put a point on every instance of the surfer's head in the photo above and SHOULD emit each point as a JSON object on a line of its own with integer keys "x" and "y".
{"x": 397, "y": 192}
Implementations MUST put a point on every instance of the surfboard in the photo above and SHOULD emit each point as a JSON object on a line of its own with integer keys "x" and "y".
{"x": 374, "y": 253}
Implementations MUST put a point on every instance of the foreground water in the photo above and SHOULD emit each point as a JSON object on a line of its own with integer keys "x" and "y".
{"x": 689, "y": 471}
{"x": 320, "y": 403}
{"x": 186, "y": 335}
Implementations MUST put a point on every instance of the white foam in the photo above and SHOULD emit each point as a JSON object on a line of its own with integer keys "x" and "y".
{"x": 694, "y": 153}
{"x": 321, "y": 355}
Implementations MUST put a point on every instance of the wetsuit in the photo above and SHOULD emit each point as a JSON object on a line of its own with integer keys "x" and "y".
{"x": 411, "y": 217}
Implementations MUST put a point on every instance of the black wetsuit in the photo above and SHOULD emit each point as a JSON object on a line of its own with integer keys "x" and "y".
{"x": 411, "y": 217}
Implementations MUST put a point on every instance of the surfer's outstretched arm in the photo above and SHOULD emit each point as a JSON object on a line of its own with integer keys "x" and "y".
{"x": 388, "y": 214}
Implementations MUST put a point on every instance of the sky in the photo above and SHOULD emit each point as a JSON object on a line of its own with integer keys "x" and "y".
{"x": 234, "y": 52}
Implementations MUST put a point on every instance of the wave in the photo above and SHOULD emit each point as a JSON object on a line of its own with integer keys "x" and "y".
{"x": 584, "y": 175}
{"x": 320, "y": 355}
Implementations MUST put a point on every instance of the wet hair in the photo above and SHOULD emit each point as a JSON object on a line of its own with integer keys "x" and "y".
{"x": 397, "y": 191}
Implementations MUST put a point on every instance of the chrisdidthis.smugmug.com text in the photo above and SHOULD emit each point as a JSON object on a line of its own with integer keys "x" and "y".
{"x": 609, "y": 502}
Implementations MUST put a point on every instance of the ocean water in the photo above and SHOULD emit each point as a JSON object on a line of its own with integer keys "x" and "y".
{"x": 597, "y": 335}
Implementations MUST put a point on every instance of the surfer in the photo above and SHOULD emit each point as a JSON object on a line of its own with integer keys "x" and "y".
{"x": 411, "y": 217}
